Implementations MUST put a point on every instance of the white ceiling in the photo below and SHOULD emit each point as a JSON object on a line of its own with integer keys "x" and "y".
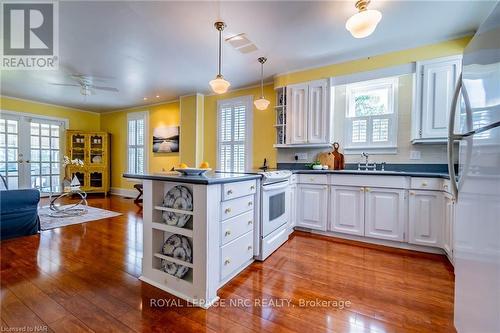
{"x": 170, "y": 48}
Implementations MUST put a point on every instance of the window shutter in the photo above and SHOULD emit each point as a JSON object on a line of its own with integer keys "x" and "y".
{"x": 233, "y": 135}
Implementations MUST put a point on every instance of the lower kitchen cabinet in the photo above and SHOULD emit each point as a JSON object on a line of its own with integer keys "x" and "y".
{"x": 312, "y": 206}
{"x": 347, "y": 205}
{"x": 385, "y": 213}
{"x": 449, "y": 219}
{"x": 292, "y": 207}
{"x": 426, "y": 216}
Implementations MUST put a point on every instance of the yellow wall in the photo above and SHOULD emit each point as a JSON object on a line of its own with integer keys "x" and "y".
{"x": 115, "y": 123}
{"x": 78, "y": 119}
{"x": 188, "y": 111}
{"x": 443, "y": 49}
{"x": 264, "y": 134}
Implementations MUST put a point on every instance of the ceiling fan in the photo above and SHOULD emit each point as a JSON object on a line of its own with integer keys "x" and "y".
{"x": 86, "y": 84}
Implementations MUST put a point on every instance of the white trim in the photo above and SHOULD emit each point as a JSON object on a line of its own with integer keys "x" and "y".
{"x": 372, "y": 151}
{"x": 248, "y": 100}
{"x": 124, "y": 192}
{"x": 139, "y": 107}
{"x": 49, "y": 104}
{"x": 135, "y": 116}
{"x": 374, "y": 74}
{"x": 239, "y": 89}
{"x": 36, "y": 115}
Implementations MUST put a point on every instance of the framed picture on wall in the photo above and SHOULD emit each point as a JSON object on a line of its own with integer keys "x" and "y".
{"x": 166, "y": 139}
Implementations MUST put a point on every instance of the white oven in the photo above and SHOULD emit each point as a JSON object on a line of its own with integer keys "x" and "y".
{"x": 274, "y": 206}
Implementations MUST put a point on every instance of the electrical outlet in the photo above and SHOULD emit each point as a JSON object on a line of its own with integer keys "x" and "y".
{"x": 301, "y": 157}
{"x": 415, "y": 154}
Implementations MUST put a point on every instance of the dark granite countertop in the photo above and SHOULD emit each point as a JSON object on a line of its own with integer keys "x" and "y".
{"x": 206, "y": 179}
{"x": 372, "y": 173}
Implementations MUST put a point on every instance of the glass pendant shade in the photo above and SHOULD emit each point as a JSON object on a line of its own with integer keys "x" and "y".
{"x": 363, "y": 24}
{"x": 261, "y": 103}
{"x": 219, "y": 85}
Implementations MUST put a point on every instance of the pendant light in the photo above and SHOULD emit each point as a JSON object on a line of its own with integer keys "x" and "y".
{"x": 261, "y": 103}
{"x": 219, "y": 85}
{"x": 363, "y": 23}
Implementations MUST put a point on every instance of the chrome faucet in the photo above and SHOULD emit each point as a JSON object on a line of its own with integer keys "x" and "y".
{"x": 367, "y": 166}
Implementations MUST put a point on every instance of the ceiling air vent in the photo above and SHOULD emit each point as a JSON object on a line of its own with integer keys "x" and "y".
{"x": 241, "y": 43}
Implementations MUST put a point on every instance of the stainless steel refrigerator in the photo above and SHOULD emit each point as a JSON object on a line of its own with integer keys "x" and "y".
{"x": 474, "y": 140}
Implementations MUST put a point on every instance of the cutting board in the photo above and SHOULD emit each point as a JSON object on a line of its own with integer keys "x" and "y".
{"x": 327, "y": 158}
{"x": 339, "y": 158}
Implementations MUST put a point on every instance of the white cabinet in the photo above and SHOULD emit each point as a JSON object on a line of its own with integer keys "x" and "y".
{"x": 317, "y": 130}
{"x": 347, "y": 205}
{"x": 385, "y": 213}
{"x": 297, "y": 113}
{"x": 426, "y": 216}
{"x": 293, "y": 207}
{"x": 366, "y": 211}
{"x": 449, "y": 218}
{"x": 434, "y": 88}
{"x": 312, "y": 208}
{"x": 308, "y": 119}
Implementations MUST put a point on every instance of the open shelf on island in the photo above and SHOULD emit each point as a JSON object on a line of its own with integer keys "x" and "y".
{"x": 179, "y": 211}
{"x": 185, "y": 231}
{"x": 174, "y": 260}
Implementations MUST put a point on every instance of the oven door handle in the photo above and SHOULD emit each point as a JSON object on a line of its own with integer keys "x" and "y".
{"x": 275, "y": 186}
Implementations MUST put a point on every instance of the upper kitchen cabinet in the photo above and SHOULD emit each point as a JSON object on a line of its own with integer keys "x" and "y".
{"x": 308, "y": 120}
{"x": 436, "y": 80}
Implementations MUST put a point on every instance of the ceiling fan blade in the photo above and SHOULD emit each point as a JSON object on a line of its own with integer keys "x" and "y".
{"x": 64, "y": 84}
{"x": 105, "y": 88}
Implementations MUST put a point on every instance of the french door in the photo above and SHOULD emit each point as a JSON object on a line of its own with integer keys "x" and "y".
{"x": 30, "y": 152}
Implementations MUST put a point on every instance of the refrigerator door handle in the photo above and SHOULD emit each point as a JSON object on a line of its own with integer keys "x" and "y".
{"x": 452, "y": 137}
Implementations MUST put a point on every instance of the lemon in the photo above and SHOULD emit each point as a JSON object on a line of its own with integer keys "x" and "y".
{"x": 183, "y": 166}
{"x": 204, "y": 165}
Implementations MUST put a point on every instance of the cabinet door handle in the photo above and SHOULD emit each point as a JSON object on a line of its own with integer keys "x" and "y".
{"x": 227, "y": 262}
{"x": 424, "y": 184}
{"x": 252, "y": 187}
{"x": 229, "y": 192}
{"x": 362, "y": 189}
{"x": 412, "y": 193}
{"x": 249, "y": 247}
{"x": 250, "y": 222}
{"x": 250, "y": 203}
{"x": 367, "y": 189}
{"x": 311, "y": 179}
{"x": 228, "y": 210}
{"x": 228, "y": 232}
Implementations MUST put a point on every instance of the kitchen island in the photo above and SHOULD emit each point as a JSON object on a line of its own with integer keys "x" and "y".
{"x": 199, "y": 231}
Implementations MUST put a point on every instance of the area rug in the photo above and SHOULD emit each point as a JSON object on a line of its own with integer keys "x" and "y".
{"x": 93, "y": 214}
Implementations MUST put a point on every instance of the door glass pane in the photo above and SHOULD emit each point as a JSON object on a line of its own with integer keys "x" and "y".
{"x": 45, "y": 142}
{"x": 54, "y": 131}
{"x": 45, "y": 129}
{"x": 45, "y": 155}
{"x": 55, "y": 155}
{"x": 35, "y": 142}
{"x": 45, "y": 169}
{"x": 12, "y": 169}
{"x": 3, "y": 169}
{"x": 12, "y": 183}
{"x": 2, "y": 125}
{"x": 12, "y": 155}
{"x": 56, "y": 169}
{"x": 12, "y": 126}
{"x": 12, "y": 140}
{"x": 35, "y": 129}
{"x": 2, "y": 140}
{"x": 35, "y": 168}
{"x": 35, "y": 155}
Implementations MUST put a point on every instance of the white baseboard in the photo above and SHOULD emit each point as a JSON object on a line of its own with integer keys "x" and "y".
{"x": 124, "y": 192}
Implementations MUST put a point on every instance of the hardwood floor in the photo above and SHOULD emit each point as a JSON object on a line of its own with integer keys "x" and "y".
{"x": 84, "y": 278}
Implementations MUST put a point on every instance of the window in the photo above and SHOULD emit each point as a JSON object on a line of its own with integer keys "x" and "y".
{"x": 234, "y": 134}
{"x": 136, "y": 144}
{"x": 371, "y": 115}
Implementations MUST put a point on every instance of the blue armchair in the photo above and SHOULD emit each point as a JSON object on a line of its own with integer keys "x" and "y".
{"x": 19, "y": 213}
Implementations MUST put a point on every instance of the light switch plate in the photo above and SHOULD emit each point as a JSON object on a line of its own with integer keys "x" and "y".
{"x": 301, "y": 156}
{"x": 415, "y": 154}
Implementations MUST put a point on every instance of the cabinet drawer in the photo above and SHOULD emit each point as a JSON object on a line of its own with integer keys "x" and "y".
{"x": 240, "y": 189}
{"x": 293, "y": 179}
{"x": 236, "y": 226}
{"x": 313, "y": 179}
{"x": 236, "y": 253}
{"x": 235, "y": 207}
{"x": 418, "y": 183}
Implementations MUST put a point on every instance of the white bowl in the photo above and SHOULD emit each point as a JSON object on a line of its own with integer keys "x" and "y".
{"x": 317, "y": 167}
{"x": 192, "y": 171}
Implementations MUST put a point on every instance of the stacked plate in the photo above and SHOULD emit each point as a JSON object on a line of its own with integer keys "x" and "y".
{"x": 178, "y": 247}
{"x": 178, "y": 197}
